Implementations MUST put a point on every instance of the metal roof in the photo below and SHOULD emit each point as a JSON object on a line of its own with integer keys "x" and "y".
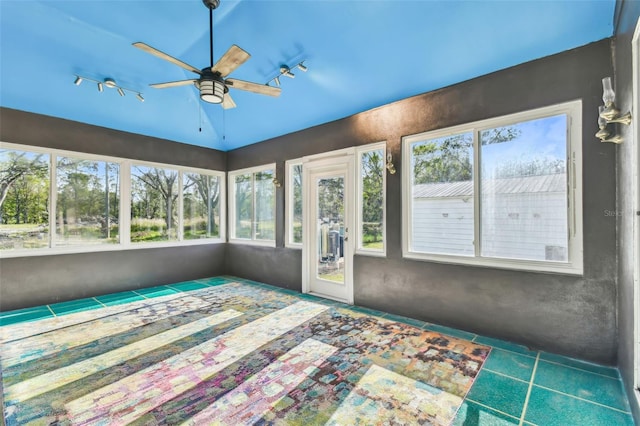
{"x": 529, "y": 184}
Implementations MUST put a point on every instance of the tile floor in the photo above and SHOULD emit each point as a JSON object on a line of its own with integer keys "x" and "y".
{"x": 516, "y": 385}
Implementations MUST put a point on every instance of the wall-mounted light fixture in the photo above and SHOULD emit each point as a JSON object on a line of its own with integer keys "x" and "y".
{"x": 276, "y": 182}
{"x": 286, "y": 71}
{"x": 111, "y": 84}
{"x": 390, "y": 167}
{"x": 609, "y": 114}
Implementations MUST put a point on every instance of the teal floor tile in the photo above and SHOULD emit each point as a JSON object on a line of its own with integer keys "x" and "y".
{"x": 472, "y": 414}
{"x": 502, "y": 344}
{"x": 24, "y": 315}
{"x": 551, "y": 408}
{"x": 119, "y": 298}
{"x": 156, "y": 291}
{"x": 582, "y": 365}
{"x": 188, "y": 286}
{"x": 411, "y": 321}
{"x": 510, "y": 363}
{"x": 451, "y": 331}
{"x": 214, "y": 281}
{"x": 317, "y": 299}
{"x": 583, "y": 384}
{"x": 367, "y": 311}
{"x": 73, "y": 306}
{"x": 499, "y": 392}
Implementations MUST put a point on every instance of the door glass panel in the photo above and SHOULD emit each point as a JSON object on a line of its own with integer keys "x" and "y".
{"x": 330, "y": 217}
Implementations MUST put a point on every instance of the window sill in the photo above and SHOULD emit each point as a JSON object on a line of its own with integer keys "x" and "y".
{"x": 372, "y": 253}
{"x": 263, "y": 243}
{"x": 511, "y": 264}
{"x": 104, "y": 248}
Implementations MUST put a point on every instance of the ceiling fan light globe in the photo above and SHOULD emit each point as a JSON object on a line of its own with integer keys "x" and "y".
{"x": 211, "y": 91}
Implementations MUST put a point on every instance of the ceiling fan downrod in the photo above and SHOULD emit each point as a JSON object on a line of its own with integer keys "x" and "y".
{"x": 211, "y": 4}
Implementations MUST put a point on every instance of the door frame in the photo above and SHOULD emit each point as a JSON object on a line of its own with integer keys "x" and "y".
{"x": 317, "y": 163}
{"x": 635, "y": 106}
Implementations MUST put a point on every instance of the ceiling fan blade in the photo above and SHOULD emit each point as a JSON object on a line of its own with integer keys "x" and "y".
{"x": 262, "y": 89}
{"x": 227, "y": 102}
{"x": 232, "y": 59}
{"x": 166, "y": 57}
{"x": 173, "y": 84}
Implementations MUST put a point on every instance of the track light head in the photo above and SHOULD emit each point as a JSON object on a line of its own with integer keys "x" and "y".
{"x": 284, "y": 70}
{"x": 120, "y": 91}
{"x": 277, "y": 81}
{"x": 100, "y": 88}
{"x": 140, "y": 98}
{"x": 78, "y": 81}
{"x": 302, "y": 67}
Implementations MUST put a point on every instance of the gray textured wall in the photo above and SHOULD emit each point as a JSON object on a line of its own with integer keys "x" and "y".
{"x": 31, "y": 281}
{"x": 627, "y": 17}
{"x": 570, "y": 315}
{"x": 38, "y": 280}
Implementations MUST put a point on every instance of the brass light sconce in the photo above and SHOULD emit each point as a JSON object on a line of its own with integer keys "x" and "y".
{"x": 390, "y": 167}
{"x": 609, "y": 114}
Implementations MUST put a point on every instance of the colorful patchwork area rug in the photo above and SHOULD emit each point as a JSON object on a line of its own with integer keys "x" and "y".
{"x": 232, "y": 354}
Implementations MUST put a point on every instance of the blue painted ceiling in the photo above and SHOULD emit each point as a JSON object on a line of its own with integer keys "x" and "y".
{"x": 360, "y": 55}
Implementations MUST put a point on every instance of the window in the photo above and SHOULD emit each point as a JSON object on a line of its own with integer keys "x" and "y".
{"x": 154, "y": 204}
{"x": 201, "y": 198}
{"x": 24, "y": 200}
{"x": 442, "y": 195}
{"x": 293, "y": 184}
{"x": 503, "y": 192}
{"x": 54, "y": 201}
{"x": 253, "y": 205}
{"x": 371, "y": 199}
{"x": 87, "y": 202}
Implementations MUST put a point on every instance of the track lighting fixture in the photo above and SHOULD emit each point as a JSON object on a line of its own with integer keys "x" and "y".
{"x": 111, "y": 84}
{"x": 286, "y": 71}
{"x": 609, "y": 114}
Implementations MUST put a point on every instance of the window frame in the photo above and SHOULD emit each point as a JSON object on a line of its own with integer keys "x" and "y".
{"x": 53, "y": 194}
{"x": 231, "y": 206}
{"x": 289, "y": 203}
{"x": 574, "y": 265}
{"x": 124, "y": 221}
{"x": 360, "y": 249}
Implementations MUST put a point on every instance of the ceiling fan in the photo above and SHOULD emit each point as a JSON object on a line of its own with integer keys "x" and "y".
{"x": 212, "y": 83}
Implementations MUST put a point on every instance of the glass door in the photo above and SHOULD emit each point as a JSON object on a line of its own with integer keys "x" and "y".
{"x": 328, "y": 218}
{"x": 331, "y": 230}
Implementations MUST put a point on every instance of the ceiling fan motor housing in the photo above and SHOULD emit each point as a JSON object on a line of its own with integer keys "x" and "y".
{"x": 211, "y": 4}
